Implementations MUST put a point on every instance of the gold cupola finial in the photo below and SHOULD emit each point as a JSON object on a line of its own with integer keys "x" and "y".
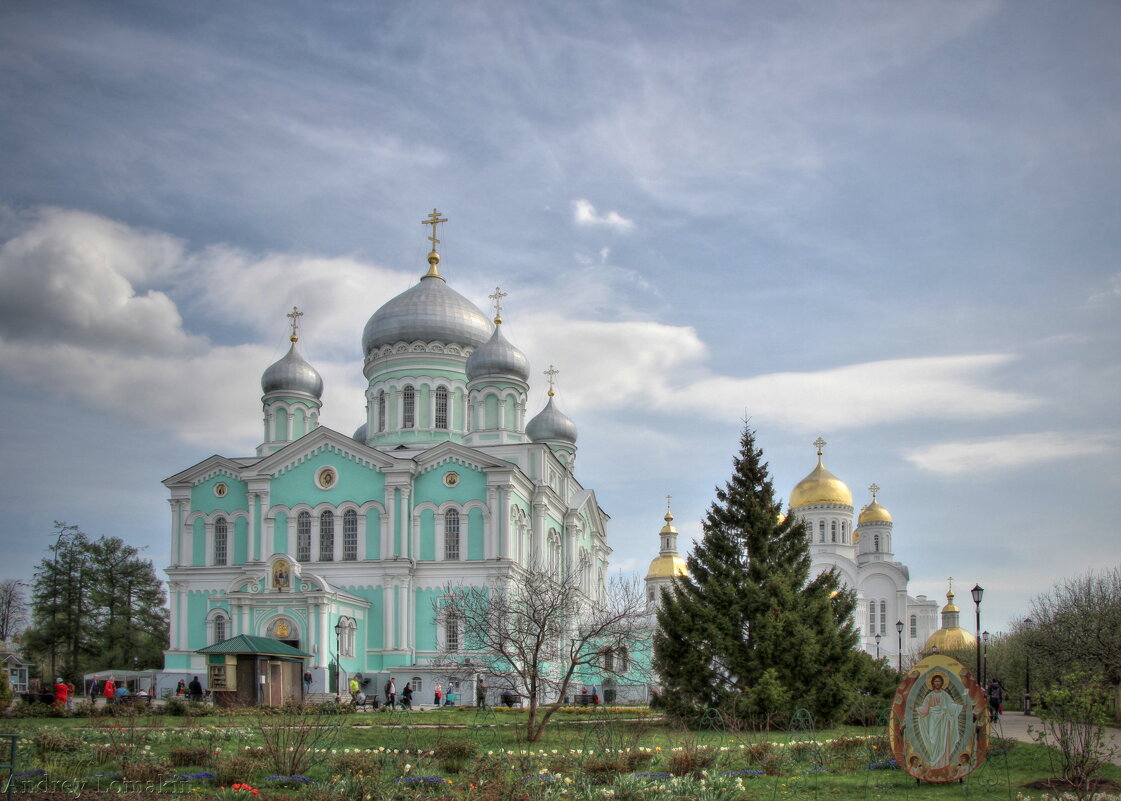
{"x": 873, "y": 489}
{"x": 820, "y": 444}
{"x": 433, "y": 219}
{"x": 497, "y": 298}
{"x": 669, "y": 512}
{"x": 551, "y": 377}
{"x": 294, "y": 316}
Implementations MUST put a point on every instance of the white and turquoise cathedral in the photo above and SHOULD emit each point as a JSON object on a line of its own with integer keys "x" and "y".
{"x": 344, "y": 544}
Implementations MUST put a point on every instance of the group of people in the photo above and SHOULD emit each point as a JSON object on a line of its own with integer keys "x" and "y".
{"x": 192, "y": 691}
{"x": 392, "y": 699}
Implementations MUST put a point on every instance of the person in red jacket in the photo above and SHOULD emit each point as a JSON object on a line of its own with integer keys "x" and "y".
{"x": 61, "y": 693}
{"x": 109, "y": 690}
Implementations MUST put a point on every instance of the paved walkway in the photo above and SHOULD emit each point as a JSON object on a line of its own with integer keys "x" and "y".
{"x": 1015, "y": 725}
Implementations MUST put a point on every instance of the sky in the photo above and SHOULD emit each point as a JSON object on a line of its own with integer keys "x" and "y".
{"x": 890, "y": 225}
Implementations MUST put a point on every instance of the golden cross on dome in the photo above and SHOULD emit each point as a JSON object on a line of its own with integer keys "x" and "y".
{"x": 497, "y": 298}
{"x": 434, "y": 219}
{"x": 294, "y": 316}
{"x": 873, "y": 489}
{"x": 668, "y": 499}
{"x": 819, "y": 443}
{"x": 551, "y": 376}
{"x": 951, "y": 580}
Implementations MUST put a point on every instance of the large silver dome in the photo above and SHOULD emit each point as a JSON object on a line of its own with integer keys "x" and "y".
{"x": 292, "y": 374}
{"x": 551, "y": 424}
{"x": 497, "y": 358}
{"x": 429, "y": 311}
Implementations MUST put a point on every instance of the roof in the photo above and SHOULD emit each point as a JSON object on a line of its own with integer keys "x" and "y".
{"x": 248, "y": 644}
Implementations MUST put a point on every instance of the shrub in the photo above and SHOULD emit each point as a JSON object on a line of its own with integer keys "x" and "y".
{"x": 235, "y": 768}
{"x": 5, "y": 690}
{"x": 1074, "y": 714}
{"x": 56, "y": 742}
{"x": 183, "y": 756}
{"x": 689, "y": 761}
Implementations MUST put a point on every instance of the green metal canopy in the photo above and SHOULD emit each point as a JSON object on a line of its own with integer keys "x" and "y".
{"x": 248, "y": 644}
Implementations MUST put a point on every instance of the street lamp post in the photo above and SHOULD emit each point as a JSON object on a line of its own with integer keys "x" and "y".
{"x": 985, "y": 664}
{"x": 977, "y": 592}
{"x": 899, "y": 645}
{"x": 877, "y": 646}
{"x": 1027, "y": 673}
{"x": 339, "y": 628}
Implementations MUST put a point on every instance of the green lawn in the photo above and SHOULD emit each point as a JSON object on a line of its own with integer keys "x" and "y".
{"x": 458, "y": 754}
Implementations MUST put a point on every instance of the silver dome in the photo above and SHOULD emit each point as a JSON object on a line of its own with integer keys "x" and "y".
{"x": 360, "y": 433}
{"x": 292, "y": 374}
{"x": 551, "y": 424}
{"x": 430, "y": 311}
{"x": 497, "y": 358}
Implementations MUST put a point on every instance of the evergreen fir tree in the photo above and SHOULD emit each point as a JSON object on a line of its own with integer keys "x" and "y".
{"x": 747, "y": 630}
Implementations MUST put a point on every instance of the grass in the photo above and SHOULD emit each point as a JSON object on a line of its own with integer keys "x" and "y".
{"x": 443, "y": 754}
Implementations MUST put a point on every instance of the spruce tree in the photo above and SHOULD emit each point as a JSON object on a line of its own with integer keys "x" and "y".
{"x": 747, "y": 630}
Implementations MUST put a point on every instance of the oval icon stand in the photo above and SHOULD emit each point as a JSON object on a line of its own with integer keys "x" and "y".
{"x": 939, "y": 721}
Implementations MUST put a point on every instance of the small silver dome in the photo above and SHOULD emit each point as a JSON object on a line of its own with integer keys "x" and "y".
{"x": 292, "y": 374}
{"x": 360, "y": 434}
{"x": 429, "y": 311}
{"x": 497, "y": 358}
{"x": 551, "y": 424}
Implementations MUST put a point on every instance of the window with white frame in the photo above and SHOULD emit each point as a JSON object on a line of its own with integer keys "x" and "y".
{"x": 451, "y": 632}
{"x": 408, "y": 407}
{"x": 876, "y": 543}
{"x": 303, "y": 537}
{"x": 451, "y": 535}
{"x": 609, "y": 660}
{"x": 624, "y": 659}
{"x": 350, "y": 535}
{"x": 821, "y": 531}
{"x": 381, "y": 410}
{"x": 871, "y": 618}
{"x": 844, "y": 532}
{"x": 441, "y": 407}
{"x": 883, "y": 617}
{"x": 914, "y": 626}
{"x": 327, "y": 537}
{"x": 221, "y": 537}
{"x": 417, "y": 683}
{"x": 833, "y": 530}
{"x": 219, "y": 628}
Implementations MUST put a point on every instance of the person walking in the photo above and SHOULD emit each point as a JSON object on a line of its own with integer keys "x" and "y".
{"x": 195, "y": 689}
{"x": 391, "y": 693}
{"x": 353, "y": 687}
{"x": 480, "y": 693}
{"x": 109, "y": 690}
{"x": 307, "y": 682}
{"x": 439, "y": 693}
{"x": 407, "y": 696}
{"x": 61, "y": 693}
{"x": 996, "y": 699}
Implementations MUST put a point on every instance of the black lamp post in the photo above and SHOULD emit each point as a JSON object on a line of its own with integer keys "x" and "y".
{"x": 977, "y": 592}
{"x": 985, "y": 663}
{"x": 899, "y": 645}
{"x": 1027, "y": 672}
{"x": 877, "y": 646}
{"x": 339, "y": 628}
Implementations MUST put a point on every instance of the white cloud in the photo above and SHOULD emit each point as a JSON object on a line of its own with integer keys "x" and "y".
{"x": 584, "y": 213}
{"x": 1111, "y": 292}
{"x": 1008, "y": 453}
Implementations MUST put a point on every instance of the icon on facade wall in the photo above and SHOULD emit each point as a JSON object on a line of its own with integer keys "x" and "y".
{"x": 451, "y": 478}
{"x": 281, "y": 575}
{"x": 327, "y": 478}
{"x": 939, "y": 721}
{"x": 281, "y": 629}
{"x": 220, "y": 489}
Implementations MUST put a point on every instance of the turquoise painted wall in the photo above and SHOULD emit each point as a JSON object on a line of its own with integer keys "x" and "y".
{"x": 198, "y": 543}
{"x": 427, "y": 535}
{"x": 430, "y": 486}
{"x": 356, "y": 482}
{"x": 373, "y": 534}
{"x": 241, "y": 541}
{"x": 424, "y": 602}
{"x": 280, "y": 533}
{"x": 204, "y": 500}
{"x": 198, "y": 604}
{"x": 475, "y": 534}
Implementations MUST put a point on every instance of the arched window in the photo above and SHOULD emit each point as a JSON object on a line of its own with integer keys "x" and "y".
{"x": 451, "y": 535}
{"x": 416, "y": 681}
{"x": 408, "y": 407}
{"x": 914, "y": 626}
{"x": 609, "y": 660}
{"x": 876, "y": 543}
{"x": 441, "y": 407}
{"x": 883, "y": 617}
{"x": 871, "y": 618}
{"x": 350, "y": 535}
{"x": 833, "y": 530}
{"x": 327, "y": 537}
{"x": 219, "y": 628}
{"x": 221, "y": 534}
{"x": 381, "y": 410}
{"x": 451, "y": 632}
{"x": 303, "y": 537}
{"x": 821, "y": 531}
{"x": 844, "y": 532}
{"x": 624, "y": 659}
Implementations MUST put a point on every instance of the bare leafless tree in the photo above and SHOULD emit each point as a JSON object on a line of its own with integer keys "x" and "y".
{"x": 1078, "y": 624}
{"x": 13, "y": 608}
{"x": 536, "y": 632}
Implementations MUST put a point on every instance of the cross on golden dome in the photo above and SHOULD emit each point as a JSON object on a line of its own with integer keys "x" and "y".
{"x": 873, "y": 489}
{"x": 433, "y": 219}
{"x": 294, "y": 316}
{"x": 820, "y": 444}
{"x": 551, "y": 376}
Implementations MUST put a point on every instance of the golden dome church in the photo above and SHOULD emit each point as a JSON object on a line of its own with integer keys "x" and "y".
{"x": 864, "y": 558}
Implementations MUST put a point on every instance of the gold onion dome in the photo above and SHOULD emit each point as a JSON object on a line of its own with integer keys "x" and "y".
{"x": 950, "y": 605}
{"x": 667, "y": 565}
{"x": 953, "y": 638}
{"x": 820, "y": 486}
{"x": 874, "y": 513}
